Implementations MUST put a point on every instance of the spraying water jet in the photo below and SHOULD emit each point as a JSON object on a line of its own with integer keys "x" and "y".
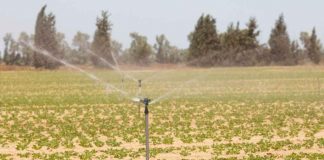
{"x": 116, "y": 68}
{"x": 92, "y": 76}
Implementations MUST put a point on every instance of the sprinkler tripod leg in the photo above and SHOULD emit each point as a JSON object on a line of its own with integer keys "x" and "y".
{"x": 147, "y": 132}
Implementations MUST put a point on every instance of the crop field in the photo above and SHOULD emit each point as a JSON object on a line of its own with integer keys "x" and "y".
{"x": 220, "y": 113}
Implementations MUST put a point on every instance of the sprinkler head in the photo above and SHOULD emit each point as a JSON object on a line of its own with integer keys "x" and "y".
{"x": 146, "y": 101}
{"x": 139, "y": 83}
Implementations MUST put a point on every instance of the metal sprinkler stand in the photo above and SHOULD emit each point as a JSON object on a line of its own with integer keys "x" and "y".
{"x": 139, "y": 95}
{"x": 146, "y": 102}
{"x": 139, "y": 88}
{"x": 123, "y": 78}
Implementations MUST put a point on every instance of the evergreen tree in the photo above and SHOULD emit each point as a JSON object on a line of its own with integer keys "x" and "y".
{"x": 305, "y": 39}
{"x": 295, "y": 51}
{"x": 101, "y": 44}
{"x": 231, "y": 38}
{"x": 314, "y": 48}
{"x": 247, "y": 54}
{"x": 251, "y": 34}
{"x": 280, "y": 44}
{"x": 204, "y": 40}
{"x": 238, "y": 45}
{"x": 231, "y": 44}
{"x": 45, "y": 38}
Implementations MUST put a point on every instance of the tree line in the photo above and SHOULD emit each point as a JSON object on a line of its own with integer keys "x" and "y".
{"x": 240, "y": 47}
{"x": 235, "y": 47}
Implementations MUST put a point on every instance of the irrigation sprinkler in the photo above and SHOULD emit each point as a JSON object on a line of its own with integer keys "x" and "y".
{"x": 139, "y": 86}
{"x": 122, "y": 82}
{"x": 139, "y": 92}
{"x": 146, "y": 102}
{"x": 139, "y": 99}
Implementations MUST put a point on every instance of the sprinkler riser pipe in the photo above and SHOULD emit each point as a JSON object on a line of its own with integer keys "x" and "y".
{"x": 139, "y": 83}
{"x": 147, "y": 131}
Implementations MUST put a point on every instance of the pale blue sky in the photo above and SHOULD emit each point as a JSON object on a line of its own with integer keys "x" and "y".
{"x": 174, "y": 18}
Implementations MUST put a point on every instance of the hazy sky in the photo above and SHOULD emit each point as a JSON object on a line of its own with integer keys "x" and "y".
{"x": 174, "y": 18}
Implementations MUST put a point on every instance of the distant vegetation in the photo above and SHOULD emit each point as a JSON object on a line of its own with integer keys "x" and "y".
{"x": 235, "y": 47}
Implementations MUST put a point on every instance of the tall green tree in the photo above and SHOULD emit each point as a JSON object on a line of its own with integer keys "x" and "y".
{"x": 296, "y": 51}
{"x": 117, "y": 47}
{"x": 314, "y": 48}
{"x": 27, "y": 52}
{"x": 247, "y": 52}
{"x": 45, "y": 38}
{"x": 175, "y": 55}
{"x": 101, "y": 44}
{"x": 7, "y": 42}
{"x": 63, "y": 46}
{"x": 305, "y": 39}
{"x": 162, "y": 46}
{"x": 252, "y": 34}
{"x": 165, "y": 52}
{"x": 62, "y": 43}
{"x": 280, "y": 44}
{"x": 140, "y": 50}
{"x": 204, "y": 40}
{"x": 238, "y": 45}
{"x": 15, "y": 56}
{"x": 81, "y": 41}
{"x": 231, "y": 39}
{"x": 12, "y": 53}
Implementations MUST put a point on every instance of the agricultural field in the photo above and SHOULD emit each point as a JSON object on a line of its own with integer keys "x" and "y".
{"x": 220, "y": 113}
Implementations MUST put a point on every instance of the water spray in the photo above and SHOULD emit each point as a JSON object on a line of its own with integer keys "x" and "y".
{"x": 138, "y": 99}
{"x": 115, "y": 60}
{"x": 92, "y": 76}
{"x": 116, "y": 68}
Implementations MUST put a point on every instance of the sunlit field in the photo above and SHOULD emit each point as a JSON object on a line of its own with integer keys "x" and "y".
{"x": 220, "y": 113}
